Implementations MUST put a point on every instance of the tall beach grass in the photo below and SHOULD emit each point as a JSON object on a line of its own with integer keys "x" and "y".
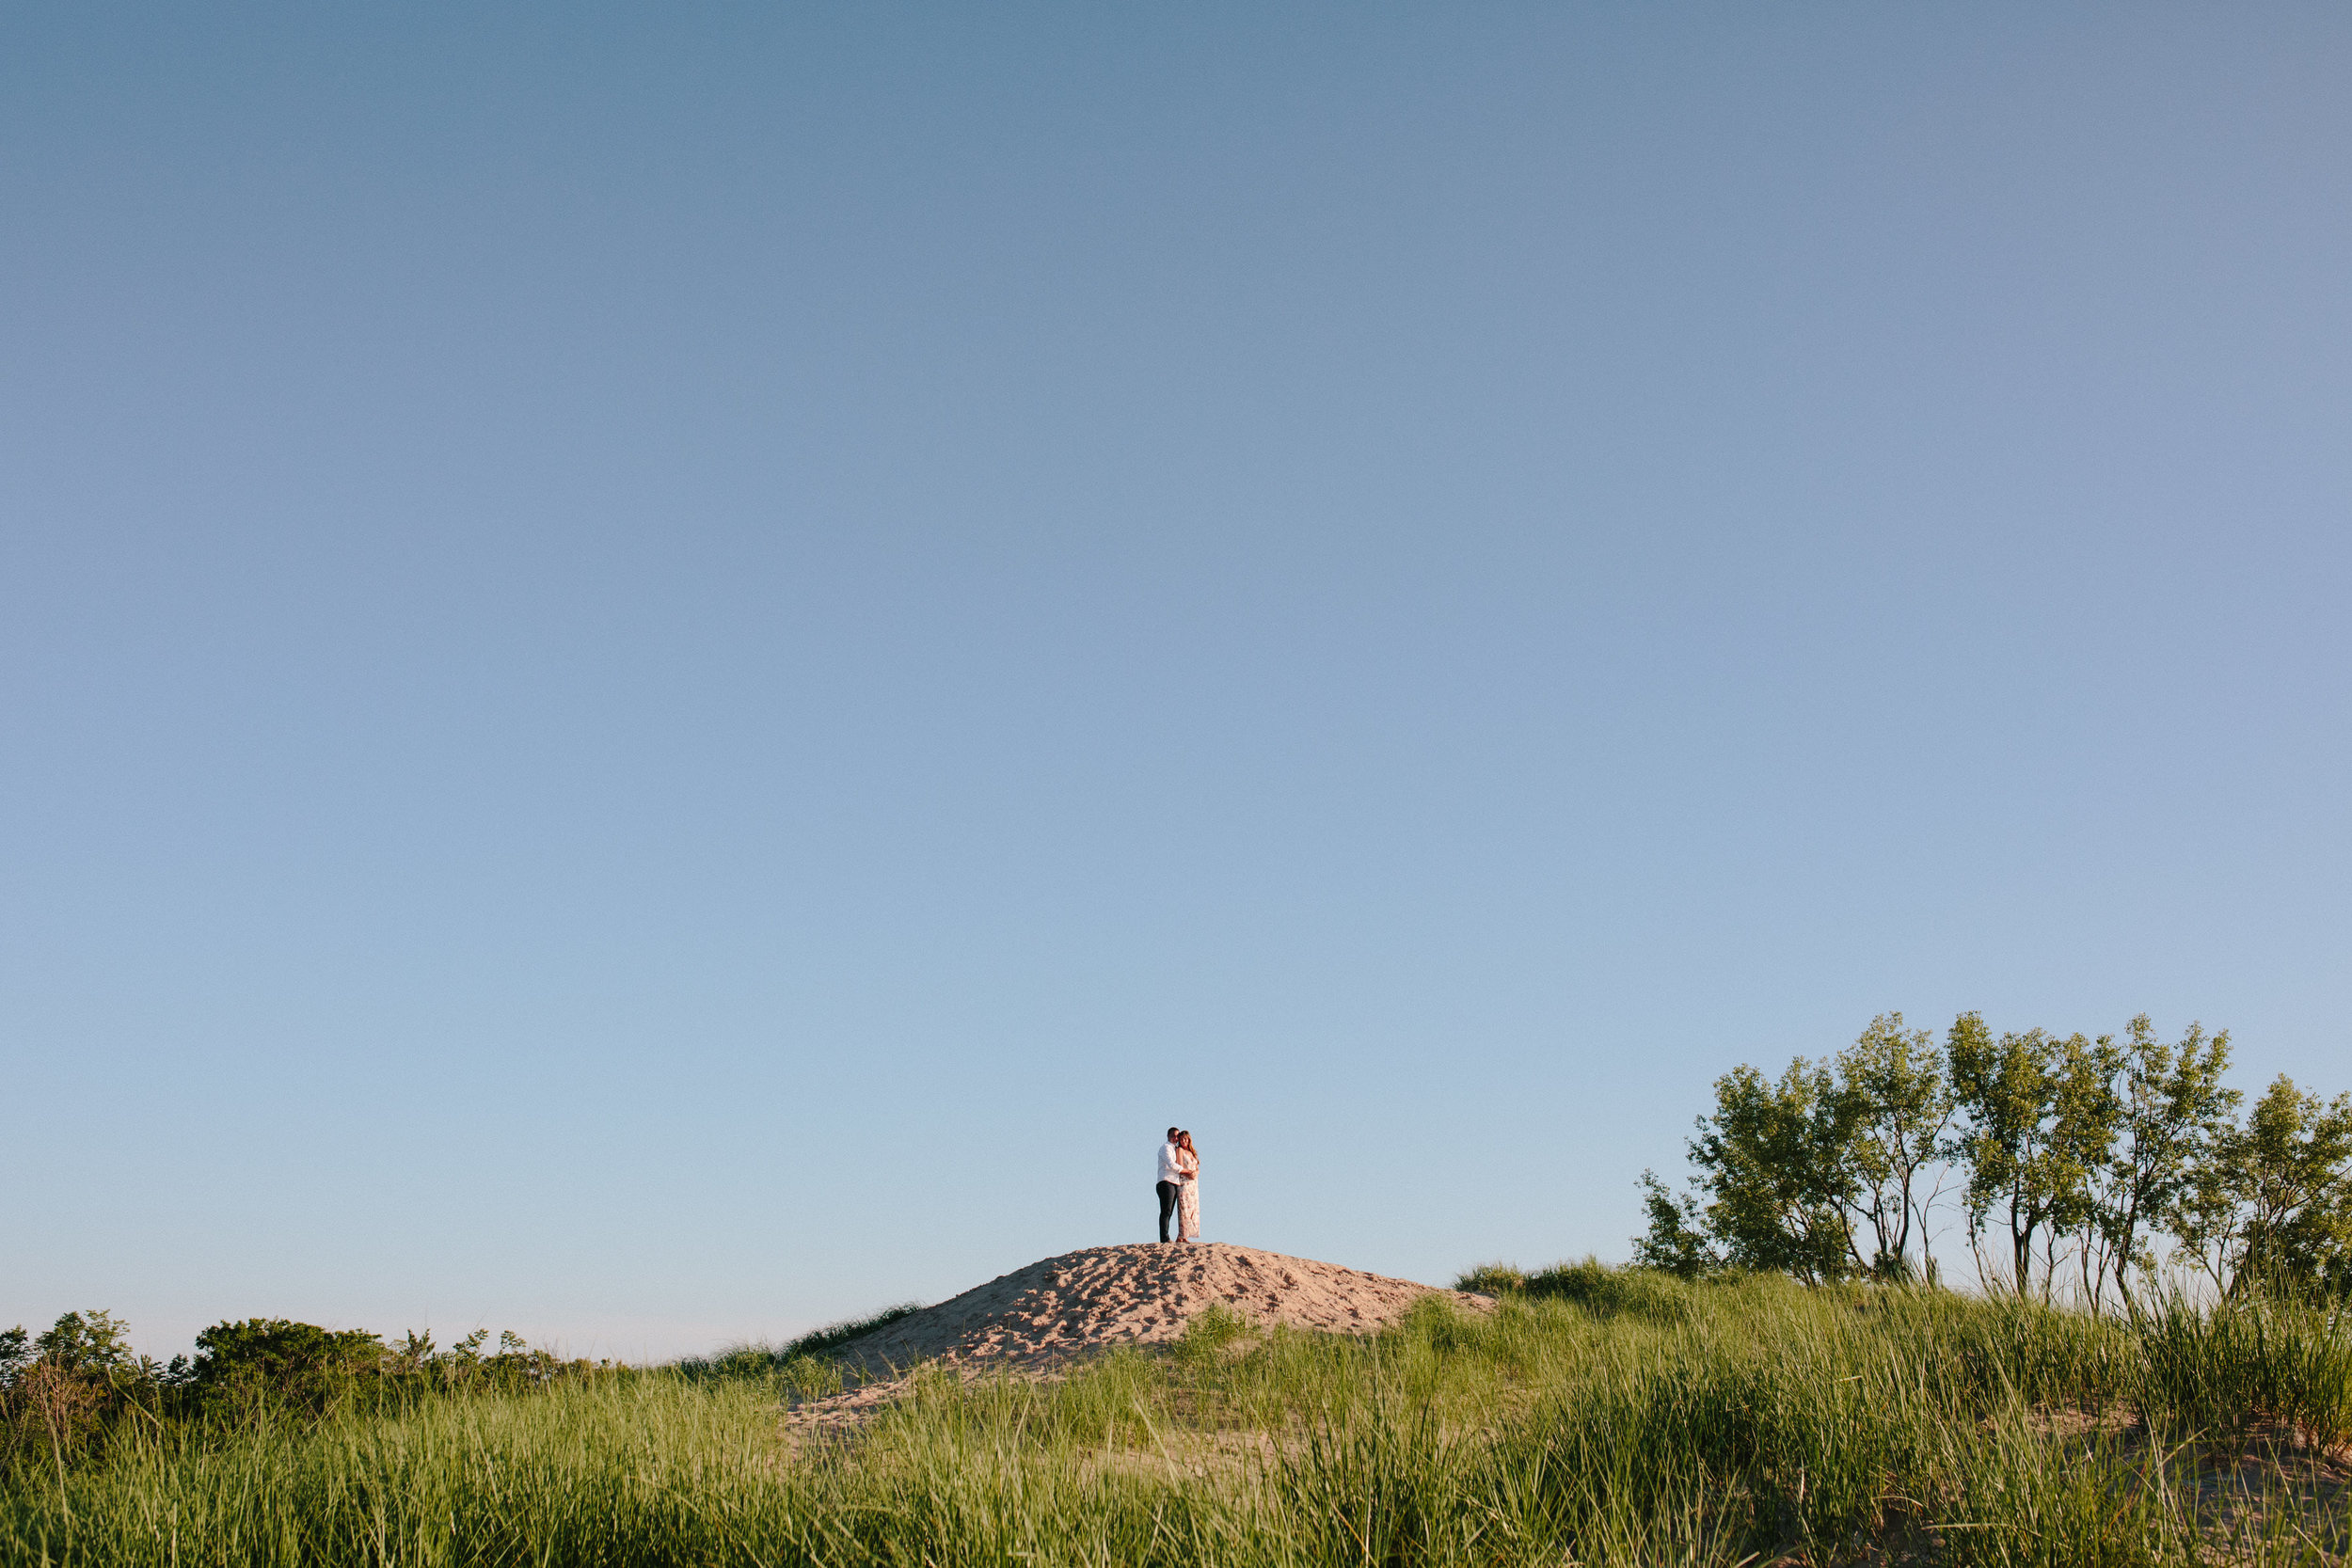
{"x": 1626, "y": 1418}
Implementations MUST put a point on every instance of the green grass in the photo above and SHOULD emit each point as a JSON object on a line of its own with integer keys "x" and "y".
{"x": 803, "y": 1367}
{"x": 1622, "y": 1418}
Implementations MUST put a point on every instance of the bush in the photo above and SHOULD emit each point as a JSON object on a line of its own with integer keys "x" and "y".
{"x": 1492, "y": 1279}
{"x": 274, "y": 1362}
{"x": 61, "y": 1391}
{"x": 1591, "y": 1284}
{"x": 86, "y": 1344}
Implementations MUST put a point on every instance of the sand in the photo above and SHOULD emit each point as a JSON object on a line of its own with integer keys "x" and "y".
{"x": 1138, "y": 1295}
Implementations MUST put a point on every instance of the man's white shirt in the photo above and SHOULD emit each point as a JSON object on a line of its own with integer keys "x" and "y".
{"x": 1170, "y": 1169}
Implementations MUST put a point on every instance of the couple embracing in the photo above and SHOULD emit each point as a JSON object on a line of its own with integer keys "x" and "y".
{"x": 1180, "y": 1185}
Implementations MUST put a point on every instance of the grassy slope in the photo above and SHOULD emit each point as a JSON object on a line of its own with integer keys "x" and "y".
{"x": 1647, "y": 1422}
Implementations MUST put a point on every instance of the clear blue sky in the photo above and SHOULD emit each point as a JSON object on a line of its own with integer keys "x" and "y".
{"x": 670, "y": 672}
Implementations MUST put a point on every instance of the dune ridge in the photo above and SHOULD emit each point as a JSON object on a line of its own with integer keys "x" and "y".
{"x": 1138, "y": 1293}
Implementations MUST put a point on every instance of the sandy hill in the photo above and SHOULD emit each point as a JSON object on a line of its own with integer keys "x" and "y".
{"x": 1137, "y": 1294}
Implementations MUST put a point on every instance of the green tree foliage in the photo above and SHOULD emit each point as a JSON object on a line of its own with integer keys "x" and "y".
{"x": 271, "y": 1361}
{"x": 2040, "y": 1116}
{"x": 72, "y": 1392}
{"x": 76, "y": 1378}
{"x": 2173, "y": 1110}
{"x": 2273, "y": 1207}
{"x": 1897, "y": 1103}
{"x": 1775, "y": 1170}
{"x": 1676, "y": 1240}
{"x": 1822, "y": 1174}
{"x": 2074, "y": 1157}
{"x": 88, "y": 1343}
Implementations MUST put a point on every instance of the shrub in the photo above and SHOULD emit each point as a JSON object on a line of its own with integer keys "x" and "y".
{"x": 271, "y": 1361}
{"x": 88, "y": 1343}
{"x": 1492, "y": 1279}
{"x": 1607, "y": 1292}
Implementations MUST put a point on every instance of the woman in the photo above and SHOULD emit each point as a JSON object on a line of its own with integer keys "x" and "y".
{"x": 1188, "y": 1189}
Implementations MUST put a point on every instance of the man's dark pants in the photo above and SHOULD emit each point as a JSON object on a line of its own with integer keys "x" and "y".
{"x": 1167, "y": 1204}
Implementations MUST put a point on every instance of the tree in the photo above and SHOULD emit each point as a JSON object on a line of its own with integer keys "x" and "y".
{"x": 88, "y": 1343}
{"x": 1774, "y": 1167}
{"x": 299, "y": 1366}
{"x": 1676, "y": 1239}
{"x": 2171, "y": 1108}
{"x": 77, "y": 1370}
{"x": 1899, "y": 1103}
{"x": 2273, "y": 1206}
{"x": 2040, "y": 1116}
{"x": 2075, "y": 1153}
{"x": 2082, "y": 1140}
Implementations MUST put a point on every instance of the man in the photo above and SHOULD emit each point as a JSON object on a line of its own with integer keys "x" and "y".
{"x": 1171, "y": 1173}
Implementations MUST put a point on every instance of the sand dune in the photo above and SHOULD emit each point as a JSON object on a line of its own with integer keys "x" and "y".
{"x": 1143, "y": 1294}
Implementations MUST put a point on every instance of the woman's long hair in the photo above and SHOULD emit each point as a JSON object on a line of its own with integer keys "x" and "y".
{"x": 1184, "y": 1141}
